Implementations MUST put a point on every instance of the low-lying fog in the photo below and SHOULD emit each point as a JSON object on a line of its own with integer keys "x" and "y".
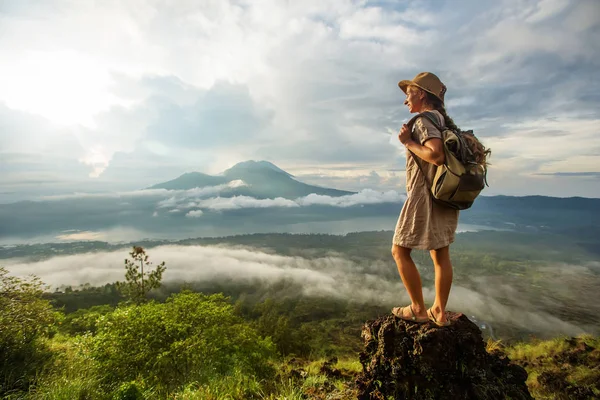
{"x": 331, "y": 276}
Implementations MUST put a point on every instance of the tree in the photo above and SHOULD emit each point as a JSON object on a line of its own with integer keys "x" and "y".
{"x": 140, "y": 282}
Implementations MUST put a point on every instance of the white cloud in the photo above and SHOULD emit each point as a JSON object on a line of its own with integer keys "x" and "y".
{"x": 201, "y": 198}
{"x": 194, "y": 214}
{"x": 179, "y": 197}
{"x": 573, "y": 164}
{"x": 211, "y": 190}
{"x": 546, "y": 9}
{"x": 170, "y": 202}
{"x": 583, "y": 16}
{"x": 366, "y": 196}
{"x": 86, "y": 235}
{"x": 546, "y": 145}
{"x": 173, "y": 196}
{"x": 238, "y": 202}
{"x": 114, "y": 195}
{"x": 379, "y": 24}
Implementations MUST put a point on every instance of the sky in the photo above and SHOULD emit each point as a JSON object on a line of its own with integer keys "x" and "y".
{"x": 112, "y": 96}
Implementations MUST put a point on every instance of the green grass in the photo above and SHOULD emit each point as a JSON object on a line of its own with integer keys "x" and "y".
{"x": 71, "y": 375}
{"x": 74, "y": 376}
{"x": 560, "y": 367}
{"x": 232, "y": 387}
{"x": 349, "y": 365}
{"x": 314, "y": 381}
{"x": 538, "y": 350}
{"x": 286, "y": 390}
{"x": 557, "y": 369}
{"x": 62, "y": 388}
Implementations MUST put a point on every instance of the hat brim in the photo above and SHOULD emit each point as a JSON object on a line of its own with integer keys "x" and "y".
{"x": 404, "y": 84}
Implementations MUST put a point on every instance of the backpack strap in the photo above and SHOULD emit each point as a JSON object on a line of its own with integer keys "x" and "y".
{"x": 430, "y": 115}
{"x": 436, "y": 122}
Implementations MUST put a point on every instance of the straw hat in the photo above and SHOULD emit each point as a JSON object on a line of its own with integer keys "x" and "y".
{"x": 428, "y": 82}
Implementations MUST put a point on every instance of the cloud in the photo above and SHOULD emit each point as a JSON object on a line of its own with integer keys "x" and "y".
{"x": 354, "y": 176}
{"x": 366, "y": 196}
{"x": 194, "y": 214}
{"x": 85, "y": 235}
{"x": 174, "y": 120}
{"x": 200, "y": 198}
{"x": 333, "y": 276}
{"x": 172, "y": 196}
{"x": 376, "y": 23}
{"x": 223, "y": 115}
{"x": 574, "y": 174}
{"x": 546, "y": 9}
{"x": 238, "y": 202}
{"x": 184, "y": 87}
{"x": 177, "y": 197}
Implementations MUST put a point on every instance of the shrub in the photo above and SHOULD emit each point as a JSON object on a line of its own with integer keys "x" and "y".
{"x": 71, "y": 375}
{"x": 84, "y": 320}
{"x": 190, "y": 338}
{"x": 25, "y": 320}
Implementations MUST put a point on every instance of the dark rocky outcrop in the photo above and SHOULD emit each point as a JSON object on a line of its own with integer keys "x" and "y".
{"x": 406, "y": 360}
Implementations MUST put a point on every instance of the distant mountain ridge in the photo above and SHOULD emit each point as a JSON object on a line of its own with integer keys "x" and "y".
{"x": 170, "y": 214}
{"x": 263, "y": 180}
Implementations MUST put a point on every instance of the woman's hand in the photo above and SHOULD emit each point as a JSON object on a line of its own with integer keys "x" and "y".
{"x": 404, "y": 134}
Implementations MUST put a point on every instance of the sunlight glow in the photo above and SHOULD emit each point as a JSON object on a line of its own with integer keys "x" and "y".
{"x": 64, "y": 87}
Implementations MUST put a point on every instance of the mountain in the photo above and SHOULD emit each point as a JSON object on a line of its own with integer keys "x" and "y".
{"x": 263, "y": 180}
{"x": 256, "y": 166}
{"x": 576, "y": 216}
{"x": 217, "y": 211}
{"x": 191, "y": 180}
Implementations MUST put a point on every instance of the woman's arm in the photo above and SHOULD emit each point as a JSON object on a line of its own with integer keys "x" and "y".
{"x": 432, "y": 151}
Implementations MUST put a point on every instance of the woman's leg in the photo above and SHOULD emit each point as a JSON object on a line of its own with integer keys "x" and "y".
{"x": 411, "y": 279}
{"x": 443, "y": 281}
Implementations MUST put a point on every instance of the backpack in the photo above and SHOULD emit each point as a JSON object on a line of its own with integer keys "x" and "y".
{"x": 457, "y": 182}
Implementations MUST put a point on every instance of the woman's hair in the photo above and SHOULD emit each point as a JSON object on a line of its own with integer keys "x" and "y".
{"x": 480, "y": 152}
{"x": 437, "y": 104}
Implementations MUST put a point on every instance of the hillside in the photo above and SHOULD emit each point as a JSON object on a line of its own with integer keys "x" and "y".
{"x": 264, "y": 180}
{"x": 191, "y": 180}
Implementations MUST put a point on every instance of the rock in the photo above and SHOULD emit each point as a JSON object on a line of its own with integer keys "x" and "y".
{"x": 329, "y": 370}
{"x": 406, "y": 360}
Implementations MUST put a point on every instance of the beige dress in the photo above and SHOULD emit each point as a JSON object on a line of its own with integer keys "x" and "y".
{"x": 423, "y": 224}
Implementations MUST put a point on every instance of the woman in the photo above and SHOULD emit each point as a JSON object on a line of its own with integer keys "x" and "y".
{"x": 424, "y": 224}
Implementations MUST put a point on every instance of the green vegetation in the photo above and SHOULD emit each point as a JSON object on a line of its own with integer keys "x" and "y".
{"x": 237, "y": 339}
{"x": 26, "y": 321}
{"x": 189, "y": 338}
{"x": 562, "y": 368}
